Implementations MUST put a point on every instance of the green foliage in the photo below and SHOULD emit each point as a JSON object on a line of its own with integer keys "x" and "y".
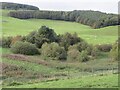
{"x": 82, "y": 52}
{"x": 17, "y": 38}
{"x": 84, "y": 56}
{"x": 53, "y": 51}
{"x": 43, "y": 35}
{"x": 15, "y": 6}
{"x": 80, "y": 46}
{"x": 95, "y": 19}
{"x": 104, "y": 47}
{"x": 69, "y": 39}
{"x": 24, "y": 48}
{"x": 115, "y": 52}
{"x": 6, "y": 42}
{"x": 103, "y": 35}
{"x": 31, "y": 37}
{"x": 73, "y": 55}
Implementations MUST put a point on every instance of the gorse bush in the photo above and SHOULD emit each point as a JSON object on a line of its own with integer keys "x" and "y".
{"x": 24, "y": 48}
{"x": 54, "y": 51}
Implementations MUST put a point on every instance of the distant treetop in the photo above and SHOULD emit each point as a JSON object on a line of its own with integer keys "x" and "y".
{"x": 16, "y": 6}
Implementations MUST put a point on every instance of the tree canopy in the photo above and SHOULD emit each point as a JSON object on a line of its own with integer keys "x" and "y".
{"x": 95, "y": 19}
{"x": 16, "y": 6}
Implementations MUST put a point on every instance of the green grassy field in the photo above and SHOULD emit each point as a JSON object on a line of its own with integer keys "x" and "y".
{"x": 88, "y": 81}
{"x": 56, "y": 74}
{"x": 12, "y": 27}
{"x": 22, "y": 71}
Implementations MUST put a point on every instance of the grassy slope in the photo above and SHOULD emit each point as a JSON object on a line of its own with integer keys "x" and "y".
{"x": 89, "y": 81}
{"x": 13, "y": 26}
{"x": 74, "y": 72}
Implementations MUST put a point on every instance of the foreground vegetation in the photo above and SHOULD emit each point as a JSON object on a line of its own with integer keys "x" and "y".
{"x": 24, "y": 70}
{"x": 62, "y": 55}
{"x": 105, "y": 81}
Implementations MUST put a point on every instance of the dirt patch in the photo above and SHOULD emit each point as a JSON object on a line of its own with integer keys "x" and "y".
{"x": 26, "y": 58}
{"x": 16, "y": 56}
{"x": 5, "y": 68}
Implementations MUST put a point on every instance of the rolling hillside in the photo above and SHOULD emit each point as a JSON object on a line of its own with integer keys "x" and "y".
{"x": 94, "y": 68}
{"x": 13, "y": 27}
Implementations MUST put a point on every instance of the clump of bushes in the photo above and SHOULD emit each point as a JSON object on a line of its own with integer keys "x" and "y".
{"x": 57, "y": 47}
{"x": 104, "y": 47}
{"x": 81, "y": 52}
{"x": 5, "y": 42}
{"x": 24, "y": 48}
{"x": 54, "y": 51}
{"x": 44, "y": 34}
{"x": 68, "y": 39}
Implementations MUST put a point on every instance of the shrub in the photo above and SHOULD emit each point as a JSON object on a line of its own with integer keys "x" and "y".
{"x": 89, "y": 49}
{"x": 79, "y": 46}
{"x": 104, "y": 47}
{"x": 6, "y": 42}
{"x": 31, "y": 37}
{"x": 69, "y": 39}
{"x": 16, "y": 38}
{"x": 84, "y": 56}
{"x": 73, "y": 54}
{"x": 24, "y": 48}
{"x": 43, "y": 35}
{"x": 115, "y": 52}
{"x": 54, "y": 51}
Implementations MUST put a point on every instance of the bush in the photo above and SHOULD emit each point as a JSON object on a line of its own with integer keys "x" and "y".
{"x": 79, "y": 46}
{"x": 95, "y": 52}
{"x": 24, "y": 48}
{"x": 6, "y": 42}
{"x": 83, "y": 56}
{"x": 82, "y": 51}
{"x": 54, "y": 51}
{"x": 104, "y": 47}
{"x": 69, "y": 39}
{"x": 73, "y": 54}
{"x": 16, "y": 38}
{"x": 115, "y": 52}
{"x": 43, "y": 35}
{"x": 31, "y": 37}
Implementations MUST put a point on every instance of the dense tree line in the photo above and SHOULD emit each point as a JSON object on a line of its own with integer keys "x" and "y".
{"x": 95, "y": 19}
{"x": 15, "y": 6}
